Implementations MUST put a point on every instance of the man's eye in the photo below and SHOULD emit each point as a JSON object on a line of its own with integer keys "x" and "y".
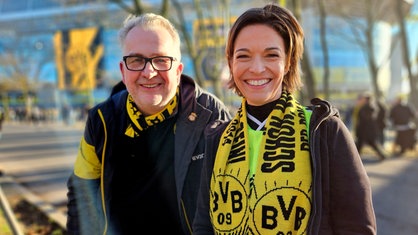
{"x": 138, "y": 60}
{"x": 161, "y": 60}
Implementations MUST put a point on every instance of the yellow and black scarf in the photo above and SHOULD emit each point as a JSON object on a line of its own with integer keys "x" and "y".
{"x": 277, "y": 198}
{"x": 140, "y": 122}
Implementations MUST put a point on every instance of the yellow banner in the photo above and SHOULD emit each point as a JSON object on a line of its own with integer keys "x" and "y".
{"x": 77, "y": 56}
{"x": 211, "y": 32}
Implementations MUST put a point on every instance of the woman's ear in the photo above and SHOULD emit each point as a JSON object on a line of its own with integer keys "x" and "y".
{"x": 287, "y": 68}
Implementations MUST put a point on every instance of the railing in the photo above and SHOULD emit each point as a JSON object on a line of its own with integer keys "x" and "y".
{"x": 9, "y": 214}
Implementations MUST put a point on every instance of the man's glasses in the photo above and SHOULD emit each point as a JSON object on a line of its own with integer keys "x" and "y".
{"x": 138, "y": 63}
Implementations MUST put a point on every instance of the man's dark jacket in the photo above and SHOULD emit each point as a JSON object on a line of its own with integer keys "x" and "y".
{"x": 89, "y": 199}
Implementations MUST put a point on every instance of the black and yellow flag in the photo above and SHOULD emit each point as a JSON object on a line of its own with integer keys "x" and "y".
{"x": 211, "y": 32}
{"x": 78, "y": 53}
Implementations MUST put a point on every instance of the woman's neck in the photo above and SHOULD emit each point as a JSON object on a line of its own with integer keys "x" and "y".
{"x": 261, "y": 113}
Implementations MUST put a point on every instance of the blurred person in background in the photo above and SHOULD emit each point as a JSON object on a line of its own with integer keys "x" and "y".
{"x": 351, "y": 114}
{"x": 2, "y": 118}
{"x": 403, "y": 120}
{"x": 367, "y": 128}
{"x": 381, "y": 121}
{"x": 139, "y": 162}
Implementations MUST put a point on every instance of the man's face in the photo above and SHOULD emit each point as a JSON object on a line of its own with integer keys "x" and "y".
{"x": 151, "y": 89}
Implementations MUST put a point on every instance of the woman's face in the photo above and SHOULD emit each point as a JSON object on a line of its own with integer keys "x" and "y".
{"x": 259, "y": 64}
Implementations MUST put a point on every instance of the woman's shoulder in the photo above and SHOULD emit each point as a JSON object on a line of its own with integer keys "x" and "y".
{"x": 323, "y": 110}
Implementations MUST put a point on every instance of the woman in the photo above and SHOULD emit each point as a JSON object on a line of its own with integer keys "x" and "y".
{"x": 278, "y": 167}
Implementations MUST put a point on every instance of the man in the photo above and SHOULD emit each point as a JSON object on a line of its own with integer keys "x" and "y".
{"x": 140, "y": 158}
{"x": 403, "y": 118}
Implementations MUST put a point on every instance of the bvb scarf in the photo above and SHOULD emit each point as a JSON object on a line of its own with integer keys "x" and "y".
{"x": 140, "y": 122}
{"x": 277, "y": 198}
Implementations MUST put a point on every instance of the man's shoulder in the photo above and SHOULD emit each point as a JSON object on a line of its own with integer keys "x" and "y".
{"x": 203, "y": 96}
{"x": 114, "y": 102}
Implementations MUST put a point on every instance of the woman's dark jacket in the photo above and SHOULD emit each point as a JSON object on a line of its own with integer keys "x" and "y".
{"x": 342, "y": 197}
{"x": 105, "y": 126}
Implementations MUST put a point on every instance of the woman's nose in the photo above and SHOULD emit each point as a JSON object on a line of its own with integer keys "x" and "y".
{"x": 257, "y": 65}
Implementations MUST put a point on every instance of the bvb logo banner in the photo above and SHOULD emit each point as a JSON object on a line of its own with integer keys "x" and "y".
{"x": 77, "y": 57}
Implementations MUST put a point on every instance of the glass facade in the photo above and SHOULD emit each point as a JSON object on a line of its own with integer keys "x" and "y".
{"x": 30, "y": 27}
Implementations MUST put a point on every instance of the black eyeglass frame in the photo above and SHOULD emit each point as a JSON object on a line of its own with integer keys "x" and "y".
{"x": 148, "y": 59}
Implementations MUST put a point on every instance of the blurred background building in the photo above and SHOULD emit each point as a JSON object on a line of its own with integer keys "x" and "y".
{"x": 60, "y": 53}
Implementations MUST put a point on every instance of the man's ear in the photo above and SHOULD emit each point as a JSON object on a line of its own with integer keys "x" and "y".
{"x": 179, "y": 71}
{"x": 122, "y": 70}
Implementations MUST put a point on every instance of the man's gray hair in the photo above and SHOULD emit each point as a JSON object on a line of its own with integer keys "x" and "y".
{"x": 149, "y": 21}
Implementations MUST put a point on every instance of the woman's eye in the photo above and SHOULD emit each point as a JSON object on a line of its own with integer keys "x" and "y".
{"x": 241, "y": 56}
{"x": 272, "y": 55}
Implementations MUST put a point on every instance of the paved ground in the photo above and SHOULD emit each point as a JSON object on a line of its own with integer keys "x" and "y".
{"x": 39, "y": 158}
{"x": 395, "y": 192}
{"x": 36, "y": 161}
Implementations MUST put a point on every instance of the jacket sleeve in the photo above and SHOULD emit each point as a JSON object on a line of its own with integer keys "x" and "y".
{"x": 83, "y": 188}
{"x": 350, "y": 195}
{"x": 83, "y": 214}
{"x": 202, "y": 224}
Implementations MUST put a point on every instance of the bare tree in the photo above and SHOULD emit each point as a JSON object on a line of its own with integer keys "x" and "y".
{"x": 22, "y": 61}
{"x": 209, "y": 41}
{"x": 308, "y": 75}
{"x": 324, "y": 45}
{"x": 138, "y": 7}
{"x": 207, "y": 60}
{"x": 362, "y": 18}
{"x": 401, "y": 14}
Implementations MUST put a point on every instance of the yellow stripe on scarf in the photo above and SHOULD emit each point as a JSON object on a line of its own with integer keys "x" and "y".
{"x": 139, "y": 122}
{"x": 277, "y": 199}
